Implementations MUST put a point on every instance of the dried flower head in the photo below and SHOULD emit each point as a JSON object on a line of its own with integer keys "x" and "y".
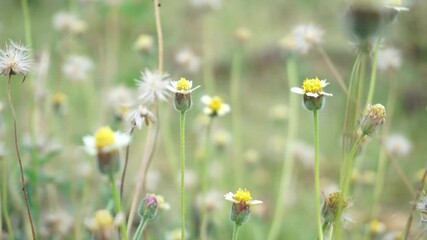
{"x": 139, "y": 116}
{"x": 331, "y": 204}
{"x": 153, "y": 86}
{"x": 398, "y": 145}
{"x": 306, "y": 36}
{"x": 15, "y": 59}
{"x": 214, "y": 106}
{"x": 373, "y": 119}
{"x": 188, "y": 60}
{"x": 77, "y": 68}
{"x": 389, "y": 59}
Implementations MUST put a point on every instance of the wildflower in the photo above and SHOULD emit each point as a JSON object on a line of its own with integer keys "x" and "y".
{"x": 397, "y": 145}
{"x": 106, "y": 144}
{"x": 214, "y": 106}
{"x": 68, "y": 23}
{"x": 306, "y": 36}
{"x": 188, "y": 60}
{"x": 242, "y": 34}
{"x": 330, "y": 206}
{"x": 206, "y": 5}
{"x": 59, "y": 102}
{"x": 144, "y": 43}
{"x": 120, "y": 99}
{"x": 152, "y": 86}
{"x": 242, "y": 200}
{"x": 77, "y": 68}
{"x": 389, "y": 59}
{"x": 15, "y": 59}
{"x": 148, "y": 207}
{"x": 182, "y": 90}
{"x": 312, "y": 90}
{"x": 422, "y": 208}
{"x": 376, "y": 227}
{"x": 140, "y": 116}
{"x": 103, "y": 223}
{"x": 374, "y": 118}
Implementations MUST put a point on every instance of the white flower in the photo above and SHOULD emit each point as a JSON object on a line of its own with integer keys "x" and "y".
{"x": 241, "y": 196}
{"x": 68, "y": 22}
{"x": 312, "y": 88}
{"x": 398, "y": 145}
{"x": 77, "y": 68}
{"x": 388, "y": 59}
{"x": 306, "y": 36}
{"x": 214, "y": 106}
{"x": 105, "y": 140}
{"x": 139, "y": 116}
{"x": 183, "y": 86}
{"x": 15, "y": 59}
{"x": 188, "y": 60}
{"x": 152, "y": 86}
{"x": 144, "y": 43}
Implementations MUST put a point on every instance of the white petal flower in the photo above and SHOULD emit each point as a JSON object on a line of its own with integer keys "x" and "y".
{"x": 241, "y": 196}
{"x": 152, "y": 86}
{"x": 68, "y": 22}
{"x": 105, "y": 140}
{"x": 312, "y": 88}
{"x": 182, "y": 86}
{"x": 214, "y": 106}
{"x": 15, "y": 59}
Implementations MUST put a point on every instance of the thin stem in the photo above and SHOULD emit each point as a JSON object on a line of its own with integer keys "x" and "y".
{"x": 316, "y": 174}
{"x": 235, "y": 231}
{"x": 288, "y": 165}
{"x": 4, "y": 200}
{"x": 122, "y": 182}
{"x": 402, "y": 175}
{"x": 27, "y": 22}
{"x": 139, "y": 231}
{"x": 159, "y": 34}
{"x": 118, "y": 206}
{"x": 236, "y": 116}
{"x": 414, "y": 206}
{"x": 204, "y": 226}
{"x": 373, "y": 73}
{"x": 150, "y": 157}
{"x": 344, "y": 185}
{"x": 24, "y": 188}
{"x": 333, "y": 69}
{"x": 182, "y": 134}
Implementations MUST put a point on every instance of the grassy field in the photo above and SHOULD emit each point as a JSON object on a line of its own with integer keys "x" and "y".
{"x": 87, "y": 58}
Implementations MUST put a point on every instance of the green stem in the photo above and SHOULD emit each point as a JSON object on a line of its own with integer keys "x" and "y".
{"x": 373, "y": 73}
{"x": 118, "y": 207}
{"x": 235, "y": 231}
{"x": 4, "y": 200}
{"x": 206, "y": 156}
{"x": 138, "y": 234}
{"x": 236, "y": 116}
{"x": 288, "y": 165}
{"x": 316, "y": 174}
{"x": 27, "y": 22}
{"x": 344, "y": 185}
{"x": 122, "y": 182}
{"x": 182, "y": 134}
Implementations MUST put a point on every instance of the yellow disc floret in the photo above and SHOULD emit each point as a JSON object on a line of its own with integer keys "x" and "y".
{"x": 104, "y": 137}
{"x": 104, "y": 219}
{"x": 242, "y": 195}
{"x": 215, "y": 104}
{"x": 183, "y": 84}
{"x": 313, "y": 85}
{"x": 377, "y": 111}
{"x": 59, "y": 98}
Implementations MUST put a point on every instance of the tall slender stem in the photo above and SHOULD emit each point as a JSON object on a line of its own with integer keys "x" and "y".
{"x": 182, "y": 141}
{"x": 122, "y": 182}
{"x": 4, "y": 200}
{"x": 235, "y": 231}
{"x": 118, "y": 206}
{"x": 140, "y": 230}
{"x": 236, "y": 115}
{"x": 24, "y": 188}
{"x": 333, "y": 69}
{"x": 316, "y": 174}
{"x": 159, "y": 34}
{"x": 27, "y": 22}
{"x": 288, "y": 164}
{"x": 373, "y": 73}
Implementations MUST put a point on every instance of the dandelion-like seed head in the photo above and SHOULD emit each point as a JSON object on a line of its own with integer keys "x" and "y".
{"x": 152, "y": 86}
{"x": 104, "y": 137}
{"x": 15, "y": 59}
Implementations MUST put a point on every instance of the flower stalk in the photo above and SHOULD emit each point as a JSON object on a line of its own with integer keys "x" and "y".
{"x": 316, "y": 174}
{"x": 118, "y": 206}
{"x": 182, "y": 145}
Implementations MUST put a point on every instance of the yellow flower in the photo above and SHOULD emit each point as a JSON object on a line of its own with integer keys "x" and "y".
{"x": 104, "y": 137}
{"x": 214, "y": 106}
{"x": 241, "y": 196}
{"x": 312, "y": 88}
{"x": 182, "y": 86}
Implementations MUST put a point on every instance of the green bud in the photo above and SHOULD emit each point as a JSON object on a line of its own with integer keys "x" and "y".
{"x": 182, "y": 102}
{"x": 373, "y": 119}
{"x": 108, "y": 162}
{"x": 240, "y": 213}
{"x": 313, "y": 103}
{"x": 148, "y": 207}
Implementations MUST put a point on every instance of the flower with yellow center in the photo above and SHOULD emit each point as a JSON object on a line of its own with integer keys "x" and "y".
{"x": 105, "y": 140}
{"x": 144, "y": 43}
{"x": 104, "y": 218}
{"x": 103, "y": 222}
{"x": 182, "y": 86}
{"x": 376, "y": 227}
{"x": 214, "y": 106}
{"x": 312, "y": 88}
{"x": 59, "y": 98}
{"x": 242, "y": 196}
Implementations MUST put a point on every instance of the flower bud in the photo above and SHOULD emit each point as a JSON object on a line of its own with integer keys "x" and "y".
{"x": 182, "y": 102}
{"x": 240, "y": 213}
{"x": 108, "y": 162}
{"x": 313, "y": 103}
{"x": 374, "y": 118}
{"x": 148, "y": 207}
